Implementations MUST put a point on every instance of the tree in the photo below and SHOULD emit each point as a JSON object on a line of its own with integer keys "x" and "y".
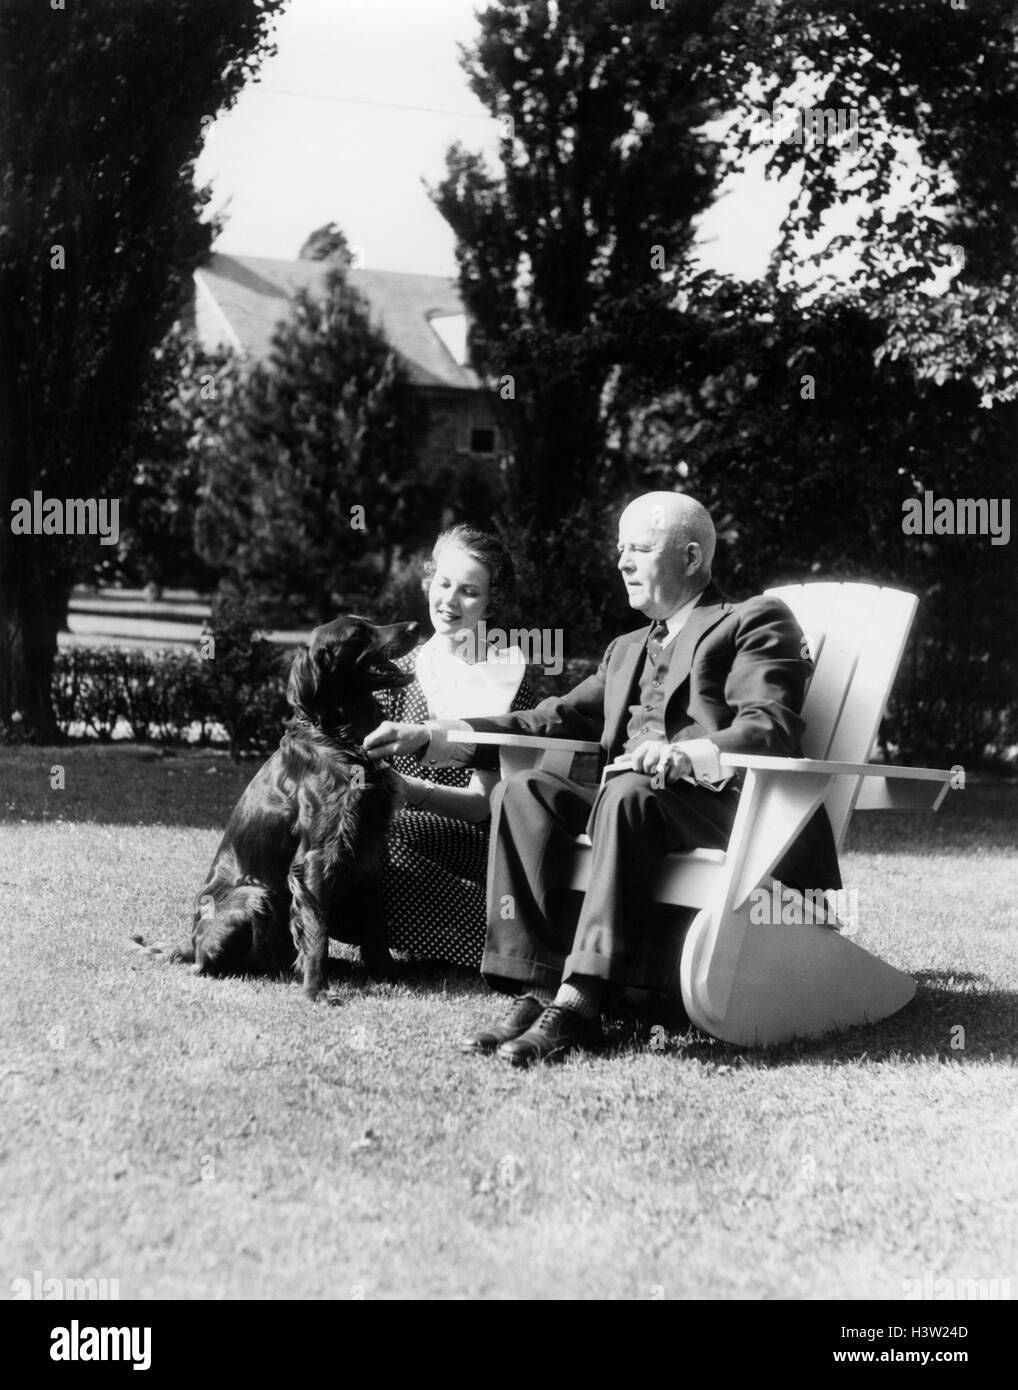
{"x": 573, "y": 257}
{"x": 605, "y": 166}
{"x": 806, "y": 442}
{"x": 328, "y": 243}
{"x": 157, "y": 533}
{"x": 942, "y": 76}
{"x": 908, "y": 392}
{"x": 309, "y": 461}
{"x": 639, "y": 373}
{"x": 941, "y": 81}
{"x": 103, "y": 110}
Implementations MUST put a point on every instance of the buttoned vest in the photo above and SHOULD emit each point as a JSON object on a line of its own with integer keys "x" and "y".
{"x": 647, "y": 716}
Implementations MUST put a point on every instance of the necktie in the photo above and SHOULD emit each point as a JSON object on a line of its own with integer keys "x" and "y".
{"x": 658, "y": 633}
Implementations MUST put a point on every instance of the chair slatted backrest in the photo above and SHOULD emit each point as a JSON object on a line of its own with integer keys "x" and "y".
{"x": 857, "y": 634}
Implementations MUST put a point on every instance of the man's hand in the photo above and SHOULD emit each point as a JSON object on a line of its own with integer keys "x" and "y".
{"x": 390, "y": 739}
{"x": 660, "y": 761}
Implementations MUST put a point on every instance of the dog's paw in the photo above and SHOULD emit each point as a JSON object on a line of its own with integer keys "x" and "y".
{"x": 315, "y": 988}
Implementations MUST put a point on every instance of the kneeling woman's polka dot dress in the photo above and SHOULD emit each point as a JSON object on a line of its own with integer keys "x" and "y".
{"x": 435, "y": 877}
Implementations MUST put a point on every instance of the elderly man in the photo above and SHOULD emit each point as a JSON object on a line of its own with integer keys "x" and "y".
{"x": 708, "y": 676}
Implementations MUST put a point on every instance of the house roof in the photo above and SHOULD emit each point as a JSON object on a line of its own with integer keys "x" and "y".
{"x": 241, "y": 299}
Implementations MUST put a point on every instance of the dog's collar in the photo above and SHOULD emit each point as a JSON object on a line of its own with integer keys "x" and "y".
{"x": 339, "y": 734}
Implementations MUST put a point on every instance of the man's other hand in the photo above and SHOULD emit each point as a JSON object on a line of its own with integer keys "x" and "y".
{"x": 389, "y": 740}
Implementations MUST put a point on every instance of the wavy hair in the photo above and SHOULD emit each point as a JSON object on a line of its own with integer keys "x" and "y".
{"x": 488, "y": 550}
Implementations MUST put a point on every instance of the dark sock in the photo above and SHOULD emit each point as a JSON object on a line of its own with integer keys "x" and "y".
{"x": 582, "y": 994}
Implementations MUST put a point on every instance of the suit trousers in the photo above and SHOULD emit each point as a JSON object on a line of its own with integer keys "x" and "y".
{"x": 538, "y": 932}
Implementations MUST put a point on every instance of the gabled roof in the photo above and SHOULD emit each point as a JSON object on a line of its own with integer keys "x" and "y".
{"x": 241, "y": 299}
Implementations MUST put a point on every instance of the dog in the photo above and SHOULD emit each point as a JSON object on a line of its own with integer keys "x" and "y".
{"x": 302, "y": 855}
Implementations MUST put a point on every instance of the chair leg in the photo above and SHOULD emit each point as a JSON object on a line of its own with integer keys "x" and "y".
{"x": 786, "y": 981}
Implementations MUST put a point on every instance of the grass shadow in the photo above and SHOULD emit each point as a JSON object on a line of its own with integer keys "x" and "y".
{"x": 954, "y": 1018}
{"x": 440, "y": 977}
{"x": 121, "y": 784}
{"x": 423, "y": 976}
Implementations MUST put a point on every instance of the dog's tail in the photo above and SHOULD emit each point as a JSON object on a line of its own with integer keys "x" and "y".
{"x": 228, "y": 938}
{"x": 183, "y": 955}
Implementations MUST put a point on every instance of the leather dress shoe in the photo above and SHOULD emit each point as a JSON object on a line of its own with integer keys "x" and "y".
{"x": 522, "y": 1012}
{"x": 557, "y": 1031}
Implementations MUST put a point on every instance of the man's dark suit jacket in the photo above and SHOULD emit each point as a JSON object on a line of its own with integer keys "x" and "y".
{"x": 738, "y": 676}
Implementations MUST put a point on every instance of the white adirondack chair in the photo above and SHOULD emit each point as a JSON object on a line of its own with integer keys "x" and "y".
{"x": 742, "y": 981}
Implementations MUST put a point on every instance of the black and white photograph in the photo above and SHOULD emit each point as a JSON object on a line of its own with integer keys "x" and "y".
{"x": 508, "y": 669}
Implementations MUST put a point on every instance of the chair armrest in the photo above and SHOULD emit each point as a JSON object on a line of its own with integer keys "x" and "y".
{"x": 880, "y": 787}
{"x": 760, "y": 763}
{"x": 534, "y": 741}
{"x": 522, "y": 751}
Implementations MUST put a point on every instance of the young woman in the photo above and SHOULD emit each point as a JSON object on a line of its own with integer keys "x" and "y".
{"x": 438, "y": 844}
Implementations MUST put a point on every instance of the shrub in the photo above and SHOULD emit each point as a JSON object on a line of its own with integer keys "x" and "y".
{"x": 87, "y": 689}
{"x": 161, "y": 693}
{"x": 570, "y": 580}
{"x": 402, "y": 599}
{"x": 66, "y": 688}
{"x": 243, "y": 678}
{"x": 952, "y": 705}
{"x": 154, "y": 692}
{"x": 574, "y": 670}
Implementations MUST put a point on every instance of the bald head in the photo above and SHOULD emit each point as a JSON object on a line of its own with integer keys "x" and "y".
{"x": 666, "y": 548}
{"x": 678, "y": 519}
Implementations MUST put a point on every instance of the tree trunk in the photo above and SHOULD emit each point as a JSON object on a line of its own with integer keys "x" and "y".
{"x": 558, "y": 453}
{"x": 33, "y": 609}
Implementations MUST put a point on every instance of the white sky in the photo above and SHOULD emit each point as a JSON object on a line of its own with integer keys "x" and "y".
{"x": 282, "y": 165}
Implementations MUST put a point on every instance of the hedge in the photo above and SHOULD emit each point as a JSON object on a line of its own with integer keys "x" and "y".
{"x": 165, "y": 695}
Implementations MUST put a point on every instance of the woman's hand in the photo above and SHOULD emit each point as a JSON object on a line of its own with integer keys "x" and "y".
{"x": 389, "y": 740}
{"x": 412, "y": 791}
{"x": 401, "y": 795}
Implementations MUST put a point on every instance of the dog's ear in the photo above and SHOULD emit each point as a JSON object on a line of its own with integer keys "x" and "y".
{"x": 323, "y": 658}
{"x": 302, "y": 686}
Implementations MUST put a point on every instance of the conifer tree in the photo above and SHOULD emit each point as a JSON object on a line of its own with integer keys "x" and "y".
{"x": 311, "y": 475}
{"x": 103, "y": 111}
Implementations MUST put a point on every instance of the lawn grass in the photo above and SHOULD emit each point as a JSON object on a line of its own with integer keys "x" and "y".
{"x": 195, "y": 1138}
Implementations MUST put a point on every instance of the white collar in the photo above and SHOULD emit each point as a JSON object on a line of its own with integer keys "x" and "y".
{"x": 456, "y": 689}
{"x": 680, "y": 617}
